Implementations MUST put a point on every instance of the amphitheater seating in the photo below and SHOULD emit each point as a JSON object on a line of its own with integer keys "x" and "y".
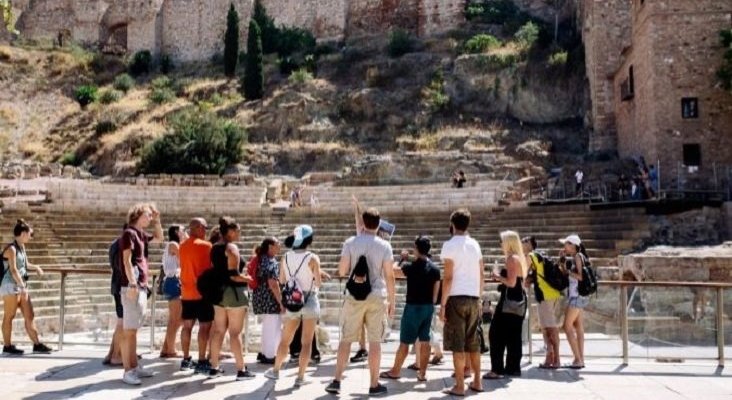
{"x": 403, "y": 198}
{"x": 80, "y": 239}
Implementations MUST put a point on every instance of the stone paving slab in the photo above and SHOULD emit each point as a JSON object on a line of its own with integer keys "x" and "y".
{"x": 79, "y": 374}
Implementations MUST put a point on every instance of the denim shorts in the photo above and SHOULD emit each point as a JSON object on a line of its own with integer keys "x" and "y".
{"x": 580, "y": 302}
{"x": 171, "y": 288}
{"x": 311, "y": 309}
{"x": 10, "y": 289}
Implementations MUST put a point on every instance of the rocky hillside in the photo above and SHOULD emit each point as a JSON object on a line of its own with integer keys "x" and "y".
{"x": 488, "y": 105}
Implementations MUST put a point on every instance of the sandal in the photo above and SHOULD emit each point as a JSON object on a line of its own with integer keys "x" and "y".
{"x": 436, "y": 360}
{"x": 421, "y": 378}
{"x": 413, "y": 367}
{"x": 575, "y": 366}
{"x": 450, "y": 392}
{"x": 169, "y": 355}
{"x": 548, "y": 366}
{"x": 476, "y": 390}
{"x": 492, "y": 376}
{"x": 388, "y": 375}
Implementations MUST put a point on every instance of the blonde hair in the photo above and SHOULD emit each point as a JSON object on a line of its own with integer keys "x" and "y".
{"x": 513, "y": 246}
{"x": 137, "y": 211}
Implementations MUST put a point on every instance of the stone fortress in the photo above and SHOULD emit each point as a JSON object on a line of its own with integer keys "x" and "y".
{"x": 651, "y": 64}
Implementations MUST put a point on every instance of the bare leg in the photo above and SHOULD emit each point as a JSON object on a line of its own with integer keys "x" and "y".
{"x": 344, "y": 348}
{"x": 236, "y": 318}
{"x": 308, "y": 332}
{"x": 26, "y": 308}
{"x": 475, "y": 367}
{"x": 204, "y": 333}
{"x": 10, "y": 308}
{"x": 288, "y": 332}
{"x": 217, "y": 337}
{"x": 129, "y": 349}
{"x": 580, "y": 331}
{"x": 569, "y": 318}
{"x": 401, "y": 355}
{"x": 423, "y": 358}
{"x": 174, "y": 321}
{"x": 374, "y": 362}
{"x": 114, "y": 356}
{"x": 553, "y": 346}
{"x": 458, "y": 362}
{"x": 185, "y": 337}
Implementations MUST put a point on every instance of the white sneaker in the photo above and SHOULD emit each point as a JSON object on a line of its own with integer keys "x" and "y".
{"x": 130, "y": 377}
{"x": 143, "y": 373}
{"x": 272, "y": 374}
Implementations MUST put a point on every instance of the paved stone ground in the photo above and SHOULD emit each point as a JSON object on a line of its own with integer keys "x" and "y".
{"x": 78, "y": 373}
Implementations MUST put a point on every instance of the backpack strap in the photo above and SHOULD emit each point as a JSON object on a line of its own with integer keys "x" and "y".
{"x": 307, "y": 257}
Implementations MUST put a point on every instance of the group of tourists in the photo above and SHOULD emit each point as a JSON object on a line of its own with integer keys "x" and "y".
{"x": 206, "y": 280}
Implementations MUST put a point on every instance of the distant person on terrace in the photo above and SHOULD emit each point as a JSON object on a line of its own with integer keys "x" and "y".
{"x": 458, "y": 179}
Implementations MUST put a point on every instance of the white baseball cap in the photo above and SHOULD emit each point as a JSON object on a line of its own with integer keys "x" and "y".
{"x": 572, "y": 239}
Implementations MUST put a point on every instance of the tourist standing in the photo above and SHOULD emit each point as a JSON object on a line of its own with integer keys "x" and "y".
{"x": 114, "y": 355}
{"x": 301, "y": 269}
{"x": 14, "y": 290}
{"x": 461, "y": 310}
{"x": 195, "y": 259}
{"x": 134, "y": 284}
{"x": 423, "y": 286}
{"x": 374, "y": 282}
{"x": 579, "y": 178}
{"x": 231, "y": 312}
{"x": 548, "y": 299}
{"x": 575, "y": 258}
{"x": 171, "y": 288}
{"x": 505, "y": 332}
{"x": 267, "y": 298}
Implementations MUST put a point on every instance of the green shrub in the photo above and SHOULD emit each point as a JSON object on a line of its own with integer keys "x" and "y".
{"x": 253, "y": 82}
{"x": 481, "y": 43}
{"x": 166, "y": 64}
{"x": 558, "y": 58}
{"x": 267, "y": 26}
{"x": 400, "y": 43}
{"x": 109, "y": 96}
{"x": 70, "y": 158}
{"x": 231, "y": 42}
{"x": 162, "y": 81}
{"x": 197, "y": 142}
{"x": 527, "y": 35}
{"x": 141, "y": 63}
{"x": 105, "y": 126}
{"x": 300, "y": 76}
{"x": 124, "y": 83}
{"x": 473, "y": 11}
{"x": 85, "y": 95}
{"x": 497, "y": 62}
{"x": 434, "y": 96}
{"x": 294, "y": 40}
{"x": 161, "y": 95}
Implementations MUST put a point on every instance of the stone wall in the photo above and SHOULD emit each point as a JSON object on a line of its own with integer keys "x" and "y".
{"x": 605, "y": 32}
{"x": 193, "y": 29}
{"x": 697, "y": 227}
{"x": 670, "y": 64}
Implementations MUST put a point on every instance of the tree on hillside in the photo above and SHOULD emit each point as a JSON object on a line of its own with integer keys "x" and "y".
{"x": 253, "y": 84}
{"x": 6, "y": 15}
{"x": 267, "y": 26}
{"x": 231, "y": 42}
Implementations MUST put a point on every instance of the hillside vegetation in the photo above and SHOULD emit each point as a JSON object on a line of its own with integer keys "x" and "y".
{"x": 500, "y": 94}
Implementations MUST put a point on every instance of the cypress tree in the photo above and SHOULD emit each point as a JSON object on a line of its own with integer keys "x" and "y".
{"x": 267, "y": 25}
{"x": 253, "y": 84}
{"x": 231, "y": 42}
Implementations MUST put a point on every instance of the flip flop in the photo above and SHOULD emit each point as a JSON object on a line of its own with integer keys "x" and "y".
{"x": 421, "y": 378}
{"x": 387, "y": 375}
{"x": 476, "y": 390}
{"x": 413, "y": 367}
{"x": 573, "y": 366}
{"x": 436, "y": 361}
{"x": 491, "y": 376}
{"x": 449, "y": 392}
{"x": 548, "y": 366}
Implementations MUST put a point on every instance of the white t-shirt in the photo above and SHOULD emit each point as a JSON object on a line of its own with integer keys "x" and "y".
{"x": 579, "y": 175}
{"x": 465, "y": 254}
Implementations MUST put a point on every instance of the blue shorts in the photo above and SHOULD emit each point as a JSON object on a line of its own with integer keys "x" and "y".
{"x": 171, "y": 288}
{"x": 578, "y": 302}
{"x": 416, "y": 323}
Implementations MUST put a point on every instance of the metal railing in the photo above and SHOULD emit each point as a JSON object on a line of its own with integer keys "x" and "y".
{"x": 623, "y": 302}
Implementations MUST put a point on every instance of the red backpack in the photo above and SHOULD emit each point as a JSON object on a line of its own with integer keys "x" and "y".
{"x": 253, "y": 271}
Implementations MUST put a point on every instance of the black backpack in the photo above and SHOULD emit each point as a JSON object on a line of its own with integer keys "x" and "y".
{"x": 115, "y": 262}
{"x": 553, "y": 275}
{"x": 588, "y": 285}
{"x": 359, "y": 290}
{"x": 4, "y": 270}
{"x": 211, "y": 285}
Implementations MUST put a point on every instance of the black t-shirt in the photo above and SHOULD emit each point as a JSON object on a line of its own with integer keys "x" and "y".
{"x": 421, "y": 277}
